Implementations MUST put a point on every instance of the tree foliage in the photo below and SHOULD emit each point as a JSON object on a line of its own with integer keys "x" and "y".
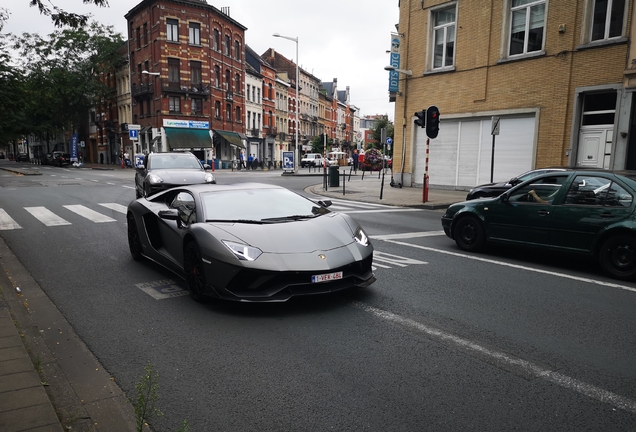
{"x": 64, "y": 76}
{"x": 382, "y": 122}
{"x": 12, "y": 94}
{"x": 318, "y": 144}
{"x": 62, "y": 18}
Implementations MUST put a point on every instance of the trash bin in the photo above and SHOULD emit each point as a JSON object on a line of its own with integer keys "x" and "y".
{"x": 334, "y": 176}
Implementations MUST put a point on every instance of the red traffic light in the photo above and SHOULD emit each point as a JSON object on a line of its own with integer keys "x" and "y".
{"x": 432, "y": 122}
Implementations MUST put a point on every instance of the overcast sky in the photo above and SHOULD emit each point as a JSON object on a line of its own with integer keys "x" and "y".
{"x": 343, "y": 39}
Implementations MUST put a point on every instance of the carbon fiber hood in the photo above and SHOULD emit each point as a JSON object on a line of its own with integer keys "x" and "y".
{"x": 297, "y": 237}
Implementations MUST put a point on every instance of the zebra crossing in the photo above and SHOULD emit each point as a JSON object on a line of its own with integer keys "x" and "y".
{"x": 51, "y": 219}
{"x": 347, "y": 206}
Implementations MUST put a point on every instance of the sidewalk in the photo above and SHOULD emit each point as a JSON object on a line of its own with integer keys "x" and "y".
{"x": 368, "y": 188}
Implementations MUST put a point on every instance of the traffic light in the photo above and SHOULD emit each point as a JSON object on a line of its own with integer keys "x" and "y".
{"x": 432, "y": 122}
{"x": 421, "y": 118}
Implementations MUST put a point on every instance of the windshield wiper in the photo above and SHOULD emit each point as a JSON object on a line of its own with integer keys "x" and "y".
{"x": 243, "y": 221}
{"x": 290, "y": 218}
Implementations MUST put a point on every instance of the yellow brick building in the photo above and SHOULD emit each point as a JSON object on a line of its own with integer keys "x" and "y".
{"x": 557, "y": 74}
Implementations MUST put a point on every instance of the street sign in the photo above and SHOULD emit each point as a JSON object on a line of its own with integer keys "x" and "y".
{"x": 134, "y": 127}
{"x": 133, "y": 134}
{"x": 494, "y": 126}
{"x": 389, "y": 141}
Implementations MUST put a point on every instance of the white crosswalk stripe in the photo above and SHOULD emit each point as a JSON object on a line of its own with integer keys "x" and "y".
{"x": 89, "y": 214}
{"x": 6, "y": 222}
{"x": 46, "y": 216}
{"x": 114, "y": 206}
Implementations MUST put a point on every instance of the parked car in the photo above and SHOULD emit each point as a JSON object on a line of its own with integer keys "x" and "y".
{"x": 22, "y": 157}
{"x": 61, "y": 159}
{"x": 47, "y": 159}
{"x": 312, "y": 160}
{"x": 250, "y": 242}
{"x": 580, "y": 211}
{"x": 2, "y": 156}
{"x": 496, "y": 189}
{"x": 161, "y": 171}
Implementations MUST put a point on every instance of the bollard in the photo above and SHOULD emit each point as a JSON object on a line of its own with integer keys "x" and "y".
{"x": 425, "y": 189}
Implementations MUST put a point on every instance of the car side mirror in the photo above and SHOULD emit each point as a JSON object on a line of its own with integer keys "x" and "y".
{"x": 504, "y": 198}
{"x": 170, "y": 214}
{"x": 206, "y": 167}
{"x": 325, "y": 203}
{"x": 513, "y": 181}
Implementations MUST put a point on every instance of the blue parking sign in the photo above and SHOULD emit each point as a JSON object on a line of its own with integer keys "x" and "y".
{"x": 133, "y": 134}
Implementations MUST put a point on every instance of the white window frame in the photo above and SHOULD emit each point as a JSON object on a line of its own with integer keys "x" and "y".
{"x": 527, "y": 7}
{"x": 588, "y": 24}
{"x": 194, "y": 33}
{"x": 432, "y": 39}
{"x": 172, "y": 30}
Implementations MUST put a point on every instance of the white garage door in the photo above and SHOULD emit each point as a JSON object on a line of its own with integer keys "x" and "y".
{"x": 460, "y": 156}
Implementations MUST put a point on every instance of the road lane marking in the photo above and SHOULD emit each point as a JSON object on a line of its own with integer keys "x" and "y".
{"x": 516, "y": 266}
{"x": 128, "y": 187}
{"x": 114, "y": 206}
{"x": 396, "y": 260}
{"x": 89, "y": 214}
{"x": 498, "y": 357}
{"x": 395, "y": 209}
{"x": 46, "y": 216}
{"x": 6, "y": 222}
{"x": 408, "y": 235}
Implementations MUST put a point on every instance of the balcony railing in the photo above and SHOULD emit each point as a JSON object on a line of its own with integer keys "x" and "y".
{"x": 185, "y": 87}
{"x": 142, "y": 89}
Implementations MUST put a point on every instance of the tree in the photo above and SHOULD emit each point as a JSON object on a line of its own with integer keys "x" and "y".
{"x": 62, "y": 18}
{"x": 65, "y": 75}
{"x": 12, "y": 94}
{"x": 380, "y": 123}
{"x": 318, "y": 144}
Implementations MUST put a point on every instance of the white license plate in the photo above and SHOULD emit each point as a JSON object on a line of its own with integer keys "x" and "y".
{"x": 326, "y": 277}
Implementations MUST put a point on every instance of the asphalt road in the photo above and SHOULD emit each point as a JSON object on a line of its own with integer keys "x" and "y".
{"x": 444, "y": 340}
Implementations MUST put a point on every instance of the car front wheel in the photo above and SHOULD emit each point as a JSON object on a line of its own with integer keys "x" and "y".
{"x": 617, "y": 256}
{"x": 134, "y": 242}
{"x": 469, "y": 234}
{"x": 194, "y": 272}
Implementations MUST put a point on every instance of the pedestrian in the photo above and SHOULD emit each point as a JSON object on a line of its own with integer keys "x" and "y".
{"x": 242, "y": 160}
{"x": 355, "y": 160}
{"x": 255, "y": 163}
{"x": 250, "y": 159}
{"x": 127, "y": 159}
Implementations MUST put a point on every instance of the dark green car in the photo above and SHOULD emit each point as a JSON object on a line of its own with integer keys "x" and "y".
{"x": 588, "y": 212}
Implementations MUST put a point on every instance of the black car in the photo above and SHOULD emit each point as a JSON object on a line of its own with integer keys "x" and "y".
{"x": 162, "y": 171}
{"x": 47, "y": 159}
{"x": 22, "y": 157}
{"x": 250, "y": 242}
{"x": 61, "y": 159}
{"x": 496, "y": 189}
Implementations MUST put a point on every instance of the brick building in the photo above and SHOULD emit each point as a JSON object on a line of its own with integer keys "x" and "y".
{"x": 187, "y": 75}
{"x": 559, "y": 74}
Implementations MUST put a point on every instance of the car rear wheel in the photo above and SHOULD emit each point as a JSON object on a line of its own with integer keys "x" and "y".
{"x": 469, "y": 234}
{"x": 617, "y": 256}
{"x": 194, "y": 273}
{"x": 134, "y": 242}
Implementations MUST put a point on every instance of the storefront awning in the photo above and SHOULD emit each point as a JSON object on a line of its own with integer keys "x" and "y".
{"x": 179, "y": 138}
{"x": 231, "y": 137}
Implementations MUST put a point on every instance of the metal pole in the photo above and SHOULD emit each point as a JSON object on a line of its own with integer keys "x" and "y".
{"x": 425, "y": 185}
{"x": 297, "y": 115}
{"x": 492, "y": 159}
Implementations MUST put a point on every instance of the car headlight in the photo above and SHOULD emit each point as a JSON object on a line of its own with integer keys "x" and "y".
{"x": 154, "y": 179}
{"x": 243, "y": 252}
{"x": 209, "y": 178}
{"x": 361, "y": 237}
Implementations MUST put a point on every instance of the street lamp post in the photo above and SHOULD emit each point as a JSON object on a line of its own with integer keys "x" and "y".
{"x": 297, "y": 100}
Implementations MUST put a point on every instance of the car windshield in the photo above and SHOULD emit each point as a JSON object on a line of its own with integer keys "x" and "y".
{"x": 257, "y": 205}
{"x": 174, "y": 161}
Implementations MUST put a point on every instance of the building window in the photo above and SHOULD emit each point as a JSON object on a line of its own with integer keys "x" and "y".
{"x": 197, "y": 106}
{"x": 138, "y": 36}
{"x": 146, "y": 36}
{"x": 237, "y": 50}
{"x": 247, "y": 92}
{"x": 226, "y": 46}
{"x": 228, "y": 112}
{"x": 607, "y": 19}
{"x": 215, "y": 40}
{"x": 599, "y": 109}
{"x": 226, "y": 84}
{"x": 444, "y": 37}
{"x": 527, "y": 24}
{"x": 195, "y": 73}
{"x": 238, "y": 114}
{"x": 195, "y": 34}
{"x": 172, "y": 30}
{"x": 259, "y": 93}
{"x": 217, "y": 109}
{"x": 173, "y": 71}
{"x": 175, "y": 104}
{"x": 217, "y": 76}
{"x": 237, "y": 80}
